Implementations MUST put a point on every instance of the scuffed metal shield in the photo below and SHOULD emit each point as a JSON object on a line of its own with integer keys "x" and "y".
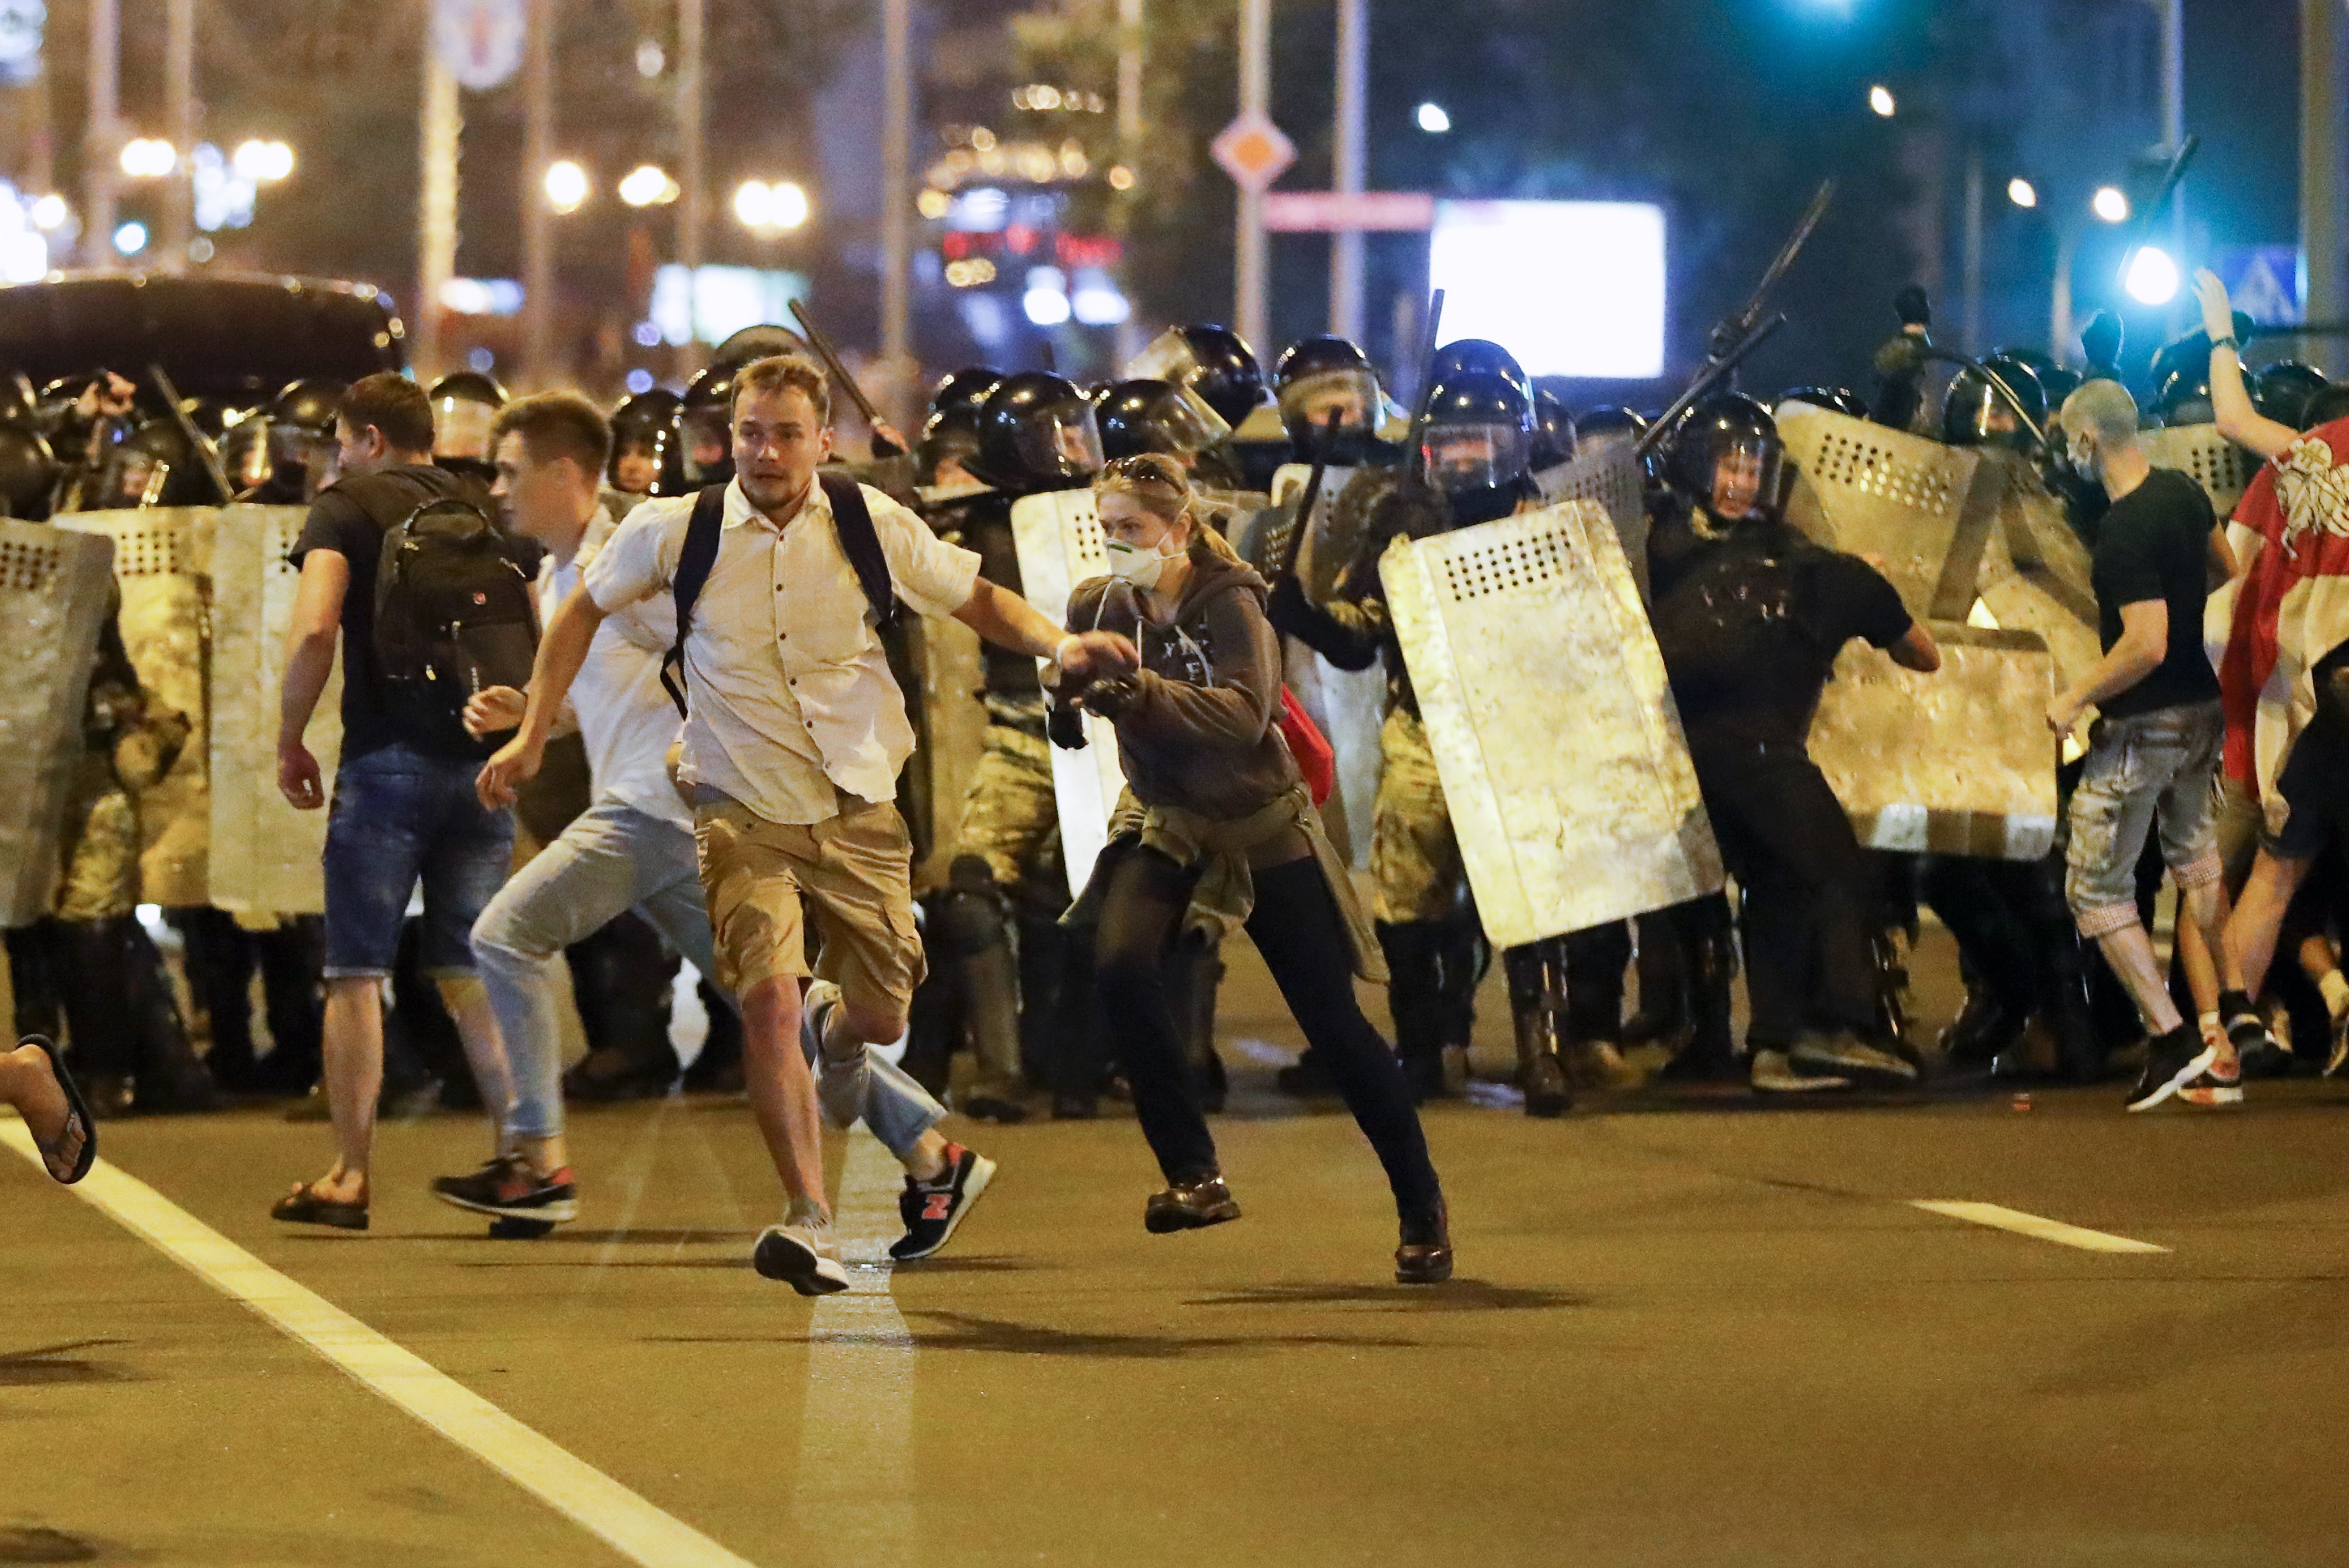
{"x": 1350, "y": 705}
{"x": 1552, "y": 724}
{"x": 1958, "y": 762}
{"x": 949, "y": 669}
{"x": 2223, "y": 468}
{"x": 1925, "y": 511}
{"x": 1058, "y": 538}
{"x": 266, "y": 855}
{"x": 2035, "y": 572}
{"x": 1607, "y": 472}
{"x": 162, "y": 561}
{"x": 54, "y": 589}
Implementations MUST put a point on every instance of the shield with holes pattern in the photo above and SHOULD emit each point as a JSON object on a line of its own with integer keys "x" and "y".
{"x": 1058, "y": 538}
{"x": 1552, "y": 724}
{"x": 162, "y": 561}
{"x": 54, "y": 585}
{"x": 1608, "y": 473}
{"x": 266, "y": 855}
{"x": 1921, "y": 511}
{"x": 2223, "y": 468}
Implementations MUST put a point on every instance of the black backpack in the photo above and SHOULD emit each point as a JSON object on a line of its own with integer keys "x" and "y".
{"x": 850, "y": 519}
{"x": 452, "y": 617}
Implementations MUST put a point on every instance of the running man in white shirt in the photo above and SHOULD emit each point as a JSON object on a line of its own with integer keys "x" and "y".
{"x": 791, "y": 753}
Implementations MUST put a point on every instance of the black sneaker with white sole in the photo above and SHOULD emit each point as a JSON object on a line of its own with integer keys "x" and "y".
{"x": 932, "y": 1209}
{"x": 2171, "y": 1062}
{"x": 802, "y": 1256}
{"x": 508, "y": 1188}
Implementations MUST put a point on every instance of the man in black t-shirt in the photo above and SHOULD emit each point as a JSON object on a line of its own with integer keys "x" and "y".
{"x": 2153, "y": 756}
{"x": 405, "y": 807}
{"x": 1750, "y": 619}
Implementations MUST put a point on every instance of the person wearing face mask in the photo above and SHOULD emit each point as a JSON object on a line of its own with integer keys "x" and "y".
{"x": 1215, "y": 797}
{"x": 1750, "y": 617}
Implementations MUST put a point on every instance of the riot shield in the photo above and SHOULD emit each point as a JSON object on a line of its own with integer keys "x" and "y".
{"x": 1923, "y": 510}
{"x": 1958, "y": 762}
{"x": 2223, "y": 468}
{"x": 54, "y": 588}
{"x": 162, "y": 561}
{"x": 1552, "y": 724}
{"x": 1608, "y": 473}
{"x": 2034, "y": 571}
{"x": 949, "y": 670}
{"x": 1058, "y": 538}
{"x": 1350, "y": 705}
{"x": 266, "y": 855}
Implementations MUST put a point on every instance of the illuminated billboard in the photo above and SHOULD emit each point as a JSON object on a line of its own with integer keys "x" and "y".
{"x": 1571, "y": 288}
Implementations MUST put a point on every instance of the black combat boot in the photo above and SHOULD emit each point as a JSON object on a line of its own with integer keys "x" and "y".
{"x": 1536, "y": 981}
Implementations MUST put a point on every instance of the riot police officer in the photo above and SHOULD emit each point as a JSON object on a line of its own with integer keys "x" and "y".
{"x": 465, "y": 404}
{"x": 1145, "y": 415}
{"x": 648, "y": 445}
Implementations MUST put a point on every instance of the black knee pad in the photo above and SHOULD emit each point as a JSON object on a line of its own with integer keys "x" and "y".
{"x": 970, "y": 918}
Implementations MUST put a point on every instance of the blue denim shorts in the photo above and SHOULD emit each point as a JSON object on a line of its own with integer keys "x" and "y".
{"x": 400, "y": 816}
{"x": 2150, "y": 769}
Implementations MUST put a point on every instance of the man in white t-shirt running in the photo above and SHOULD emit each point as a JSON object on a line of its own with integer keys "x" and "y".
{"x": 791, "y": 754}
{"x": 632, "y": 849}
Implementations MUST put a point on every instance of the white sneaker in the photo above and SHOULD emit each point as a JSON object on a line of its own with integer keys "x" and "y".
{"x": 802, "y": 1256}
{"x": 1774, "y": 1074}
{"x": 841, "y": 1081}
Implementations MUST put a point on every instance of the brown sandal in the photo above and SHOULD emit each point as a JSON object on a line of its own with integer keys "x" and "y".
{"x": 302, "y": 1206}
{"x": 78, "y": 1118}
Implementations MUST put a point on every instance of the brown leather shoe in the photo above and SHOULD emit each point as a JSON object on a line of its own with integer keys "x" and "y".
{"x": 1425, "y": 1256}
{"x": 1189, "y": 1206}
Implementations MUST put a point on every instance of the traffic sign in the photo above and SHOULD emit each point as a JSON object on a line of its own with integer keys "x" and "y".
{"x": 1253, "y": 151}
{"x": 1326, "y": 211}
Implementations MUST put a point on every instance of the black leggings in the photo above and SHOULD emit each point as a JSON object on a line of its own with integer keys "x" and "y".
{"x": 1297, "y": 927}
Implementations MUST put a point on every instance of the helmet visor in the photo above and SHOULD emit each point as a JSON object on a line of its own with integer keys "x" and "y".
{"x": 134, "y": 477}
{"x": 1746, "y": 478}
{"x": 1190, "y": 423}
{"x": 1462, "y": 457}
{"x": 1061, "y": 441}
{"x": 1352, "y": 394}
{"x": 461, "y": 428}
{"x": 246, "y": 451}
{"x": 1168, "y": 359}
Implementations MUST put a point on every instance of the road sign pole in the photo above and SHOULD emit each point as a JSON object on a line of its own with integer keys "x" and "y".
{"x": 1351, "y": 149}
{"x": 1252, "y": 260}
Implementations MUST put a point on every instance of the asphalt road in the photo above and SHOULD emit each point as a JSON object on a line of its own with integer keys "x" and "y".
{"x": 1686, "y": 1331}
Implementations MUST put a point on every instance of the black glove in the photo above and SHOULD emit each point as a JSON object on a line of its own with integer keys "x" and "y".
{"x": 1288, "y": 608}
{"x": 1065, "y": 727}
{"x": 1902, "y": 358}
{"x": 1912, "y": 307}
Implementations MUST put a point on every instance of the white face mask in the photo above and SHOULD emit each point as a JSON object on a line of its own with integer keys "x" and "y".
{"x": 1136, "y": 566}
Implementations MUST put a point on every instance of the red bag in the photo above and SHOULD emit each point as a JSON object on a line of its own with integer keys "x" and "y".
{"x": 1315, "y": 759}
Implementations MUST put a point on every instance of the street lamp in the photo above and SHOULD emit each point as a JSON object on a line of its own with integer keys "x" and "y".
{"x": 2022, "y": 192}
{"x": 2110, "y": 203}
{"x": 646, "y": 185}
{"x": 1880, "y": 100}
{"x": 1432, "y": 120}
{"x": 148, "y": 158}
{"x": 262, "y": 162}
{"x": 2152, "y": 277}
{"x": 50, "y": 211}
{"x": 566, "y": 186}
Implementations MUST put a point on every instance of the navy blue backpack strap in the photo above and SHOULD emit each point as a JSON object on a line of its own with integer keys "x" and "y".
{"x": 851, "y": 520}
{"x": 693, "y": 564}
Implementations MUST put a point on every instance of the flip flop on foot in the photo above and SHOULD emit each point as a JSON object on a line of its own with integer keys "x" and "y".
{"x": 73, "y": 1148}
{"x": 303, "y": 1206}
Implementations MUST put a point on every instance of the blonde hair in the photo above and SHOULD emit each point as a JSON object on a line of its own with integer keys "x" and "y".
{"x": 777, "y": 371}
{"x": 1159, "y": 487}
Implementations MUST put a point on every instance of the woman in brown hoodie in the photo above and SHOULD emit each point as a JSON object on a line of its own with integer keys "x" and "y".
{"x": 1214, "y": 796}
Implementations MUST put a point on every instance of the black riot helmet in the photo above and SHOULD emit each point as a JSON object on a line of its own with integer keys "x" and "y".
{"x": 152, "y": 465}
{"x": 1832, "y": 399}
{"x": 1209, "y": 361}
{"x": 2281, "y": 391}
{"x": 1975, "y": 414}
{"x": 1147, "y": 416}
{"x": 296, "y": 431}
{"x": 707, "y": 411}
{"x": 1608, "y": 423}
{"x": 1036, "y": 433}
{"x": 2059, "y": 382}
{"x": 1318, "y": 378}
{"x": 29, "y": 471}
{"x": 1478, "y": 446}
{"x": 1483, "y": 356}
{"x": 763, "y": 341}
{"x": 465, "y": 404}
{"x": 2182, "y": 397}
{"x": 1727, "y": 458}
{"x": 648, "y": 445}
{"x": 1553, "y": 436}
{"x": 965, "y": 388}
{"x": 949, "y": 435}
{"x": 18, "y": 402}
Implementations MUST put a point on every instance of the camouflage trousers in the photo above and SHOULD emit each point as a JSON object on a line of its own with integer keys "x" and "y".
{"x": 101, "y": 846}
{"x": 1415, "y": 856}
{"x": 1010, "y": 818}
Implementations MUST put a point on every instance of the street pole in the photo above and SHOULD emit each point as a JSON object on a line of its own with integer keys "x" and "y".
{"x": 1129, "y": 81}
{"x": 2059, "y": 315}
{"x": 1970, "y": 323}
{"x": 179, "y": 112}
{"x": 2173, "y": 137}
{"x": 692, "y": 216}
{"x": 1252, "y": 260}
{"x": 1349, "y": 155}
{"x": 102, "y": 142}
{"x": 2322, "y": 238}
{"x": 435, "y": 218}
{"x": 898, "y": 369}
{"x": 537, "y": 216}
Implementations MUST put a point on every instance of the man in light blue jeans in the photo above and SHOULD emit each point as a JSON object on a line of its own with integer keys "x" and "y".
{"x": 632, "y": 849}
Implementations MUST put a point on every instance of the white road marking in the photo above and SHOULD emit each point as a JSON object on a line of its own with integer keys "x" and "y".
{"x": 573, "y": 1488}
{"x": 2034, "y": 1225}
{"x": 855, "y": 1479}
